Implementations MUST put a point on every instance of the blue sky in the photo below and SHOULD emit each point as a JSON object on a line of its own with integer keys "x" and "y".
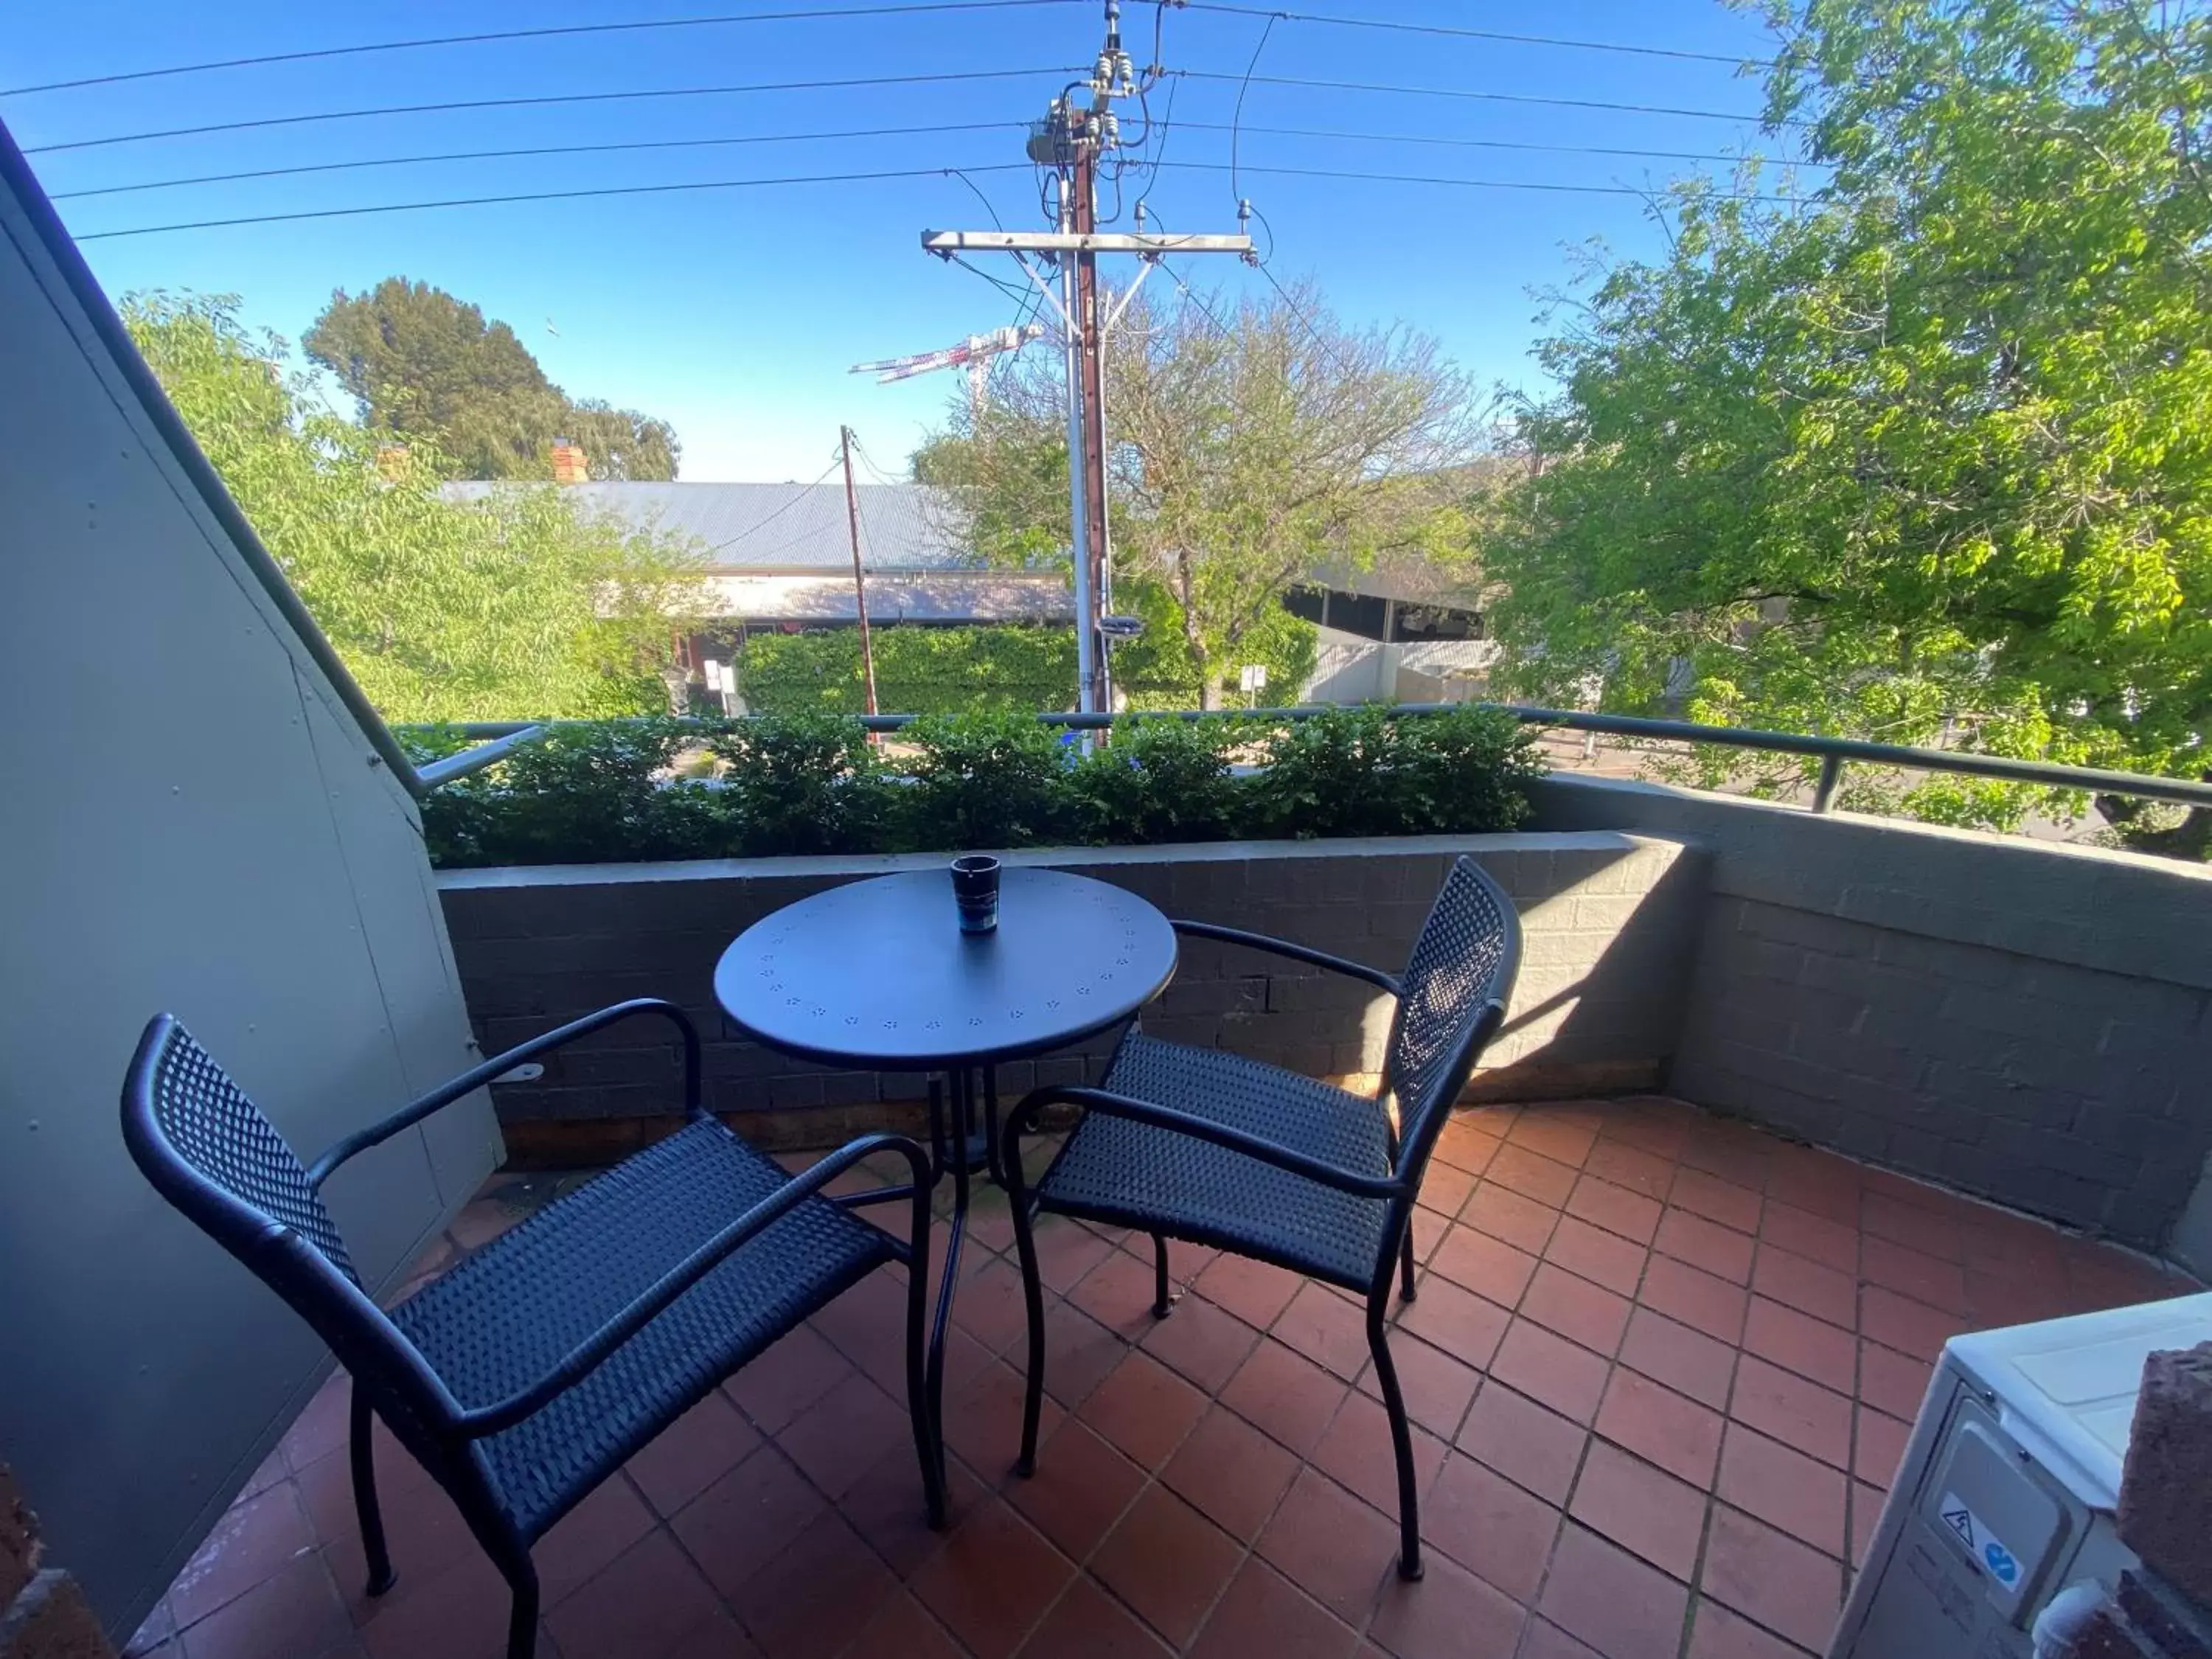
{"x": 735, "y": 313}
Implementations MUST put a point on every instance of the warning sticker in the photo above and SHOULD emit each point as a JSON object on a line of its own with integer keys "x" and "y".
{"x": 1986, "y": 1549}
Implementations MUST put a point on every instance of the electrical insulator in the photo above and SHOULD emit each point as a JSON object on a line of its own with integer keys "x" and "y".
{"x": 1124, "y": 71}
{"x": 1244, "y": 215}
{"x": 1109, "y": 130}
{"x": 1101, "y": 73}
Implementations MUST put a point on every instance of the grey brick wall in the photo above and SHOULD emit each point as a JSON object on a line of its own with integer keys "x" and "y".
{"x": 2067, "y": 1091}
{"x": 1611, "y": 923}
{"x": 2027, "y": 1022}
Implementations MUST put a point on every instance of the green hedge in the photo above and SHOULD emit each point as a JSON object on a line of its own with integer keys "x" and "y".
{"x": 919, "y": 671}
{"x": 601, "y": 793}
{"x": 923, "y": 670}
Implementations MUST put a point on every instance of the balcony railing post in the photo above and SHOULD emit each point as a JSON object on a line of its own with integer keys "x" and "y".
{"x": 1832, "y": 774}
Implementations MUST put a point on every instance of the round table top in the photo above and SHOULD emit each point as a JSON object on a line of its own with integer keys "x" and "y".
{"x": 877, "y": 973}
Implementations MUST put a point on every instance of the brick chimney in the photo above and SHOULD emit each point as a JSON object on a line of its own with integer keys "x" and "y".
{"x": 569, "y": 464}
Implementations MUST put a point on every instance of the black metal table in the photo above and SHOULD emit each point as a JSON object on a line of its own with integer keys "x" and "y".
{"x": 877, "y": 975}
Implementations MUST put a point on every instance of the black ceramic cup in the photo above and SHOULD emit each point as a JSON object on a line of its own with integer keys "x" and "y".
{"x": 975, "y": 891}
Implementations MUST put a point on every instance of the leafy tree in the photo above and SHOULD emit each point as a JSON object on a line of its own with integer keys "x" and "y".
{"x": 1927, "y": 457}
{"x": 1245, "y": 454}
{"x": 425, "y": 366}
{"x": 500, "y": 609}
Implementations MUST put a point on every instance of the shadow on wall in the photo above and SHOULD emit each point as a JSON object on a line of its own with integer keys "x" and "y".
{"x": 2026, "y": 1022}
{"x": 1610, "y": 923}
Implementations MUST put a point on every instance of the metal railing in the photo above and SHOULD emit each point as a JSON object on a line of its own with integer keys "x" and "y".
{"x": 503, "y": 736}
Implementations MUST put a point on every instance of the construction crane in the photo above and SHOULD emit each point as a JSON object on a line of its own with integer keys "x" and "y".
{"x": 974, "y": 354}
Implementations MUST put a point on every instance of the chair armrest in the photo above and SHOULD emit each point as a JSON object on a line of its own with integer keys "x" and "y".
{"x": 1282, "y": 947}
{"x": 1198, "y": 1129}
{"x": 656, "y": 1299}
{"x": 476, "y": 1076}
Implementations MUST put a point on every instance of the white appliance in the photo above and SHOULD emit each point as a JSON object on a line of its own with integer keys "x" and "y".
{"x": 2006, "y": 1495}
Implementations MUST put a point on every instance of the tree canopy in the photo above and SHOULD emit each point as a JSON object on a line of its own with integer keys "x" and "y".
{"x": 425, "y": 366}
{"x": 1246, "y": 452}
{"x": 1929, "y": 454}
{"x": 510, "y": 607}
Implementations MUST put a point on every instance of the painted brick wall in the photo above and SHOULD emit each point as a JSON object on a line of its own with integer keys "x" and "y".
{"x": 2053, "y": 1087}
{"x": 2028, "y": 1023}
{"x": 1611, "y": 923}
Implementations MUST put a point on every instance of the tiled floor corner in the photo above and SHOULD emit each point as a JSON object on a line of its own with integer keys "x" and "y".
{"x": 1660, "y": 1363}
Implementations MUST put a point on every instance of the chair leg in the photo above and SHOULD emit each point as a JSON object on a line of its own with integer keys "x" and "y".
{"x": 522, "y": 1615}
{"x": 1033, "y": 1296}
{"x": 362, "y": 1453}
{"x": 1162, "y": 1303}
{"x": 928, "y": 1430}
{"x": 1406, "y": 1263}
{"x": 1402, "y": 1443}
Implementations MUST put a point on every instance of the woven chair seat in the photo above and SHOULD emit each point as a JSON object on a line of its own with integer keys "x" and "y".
{"x": 1132, "y": 1175}
{"x": 510, "y": 1312}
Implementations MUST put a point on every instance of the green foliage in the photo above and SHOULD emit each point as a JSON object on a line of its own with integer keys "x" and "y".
{"x": 1162, "y": 779}
{"x": 986, "y": 779}
{"x": 949, "y": 671}
{"x": 426, "y": 368}
{"x": 607, "y": 791}
{"x": 583, "y": 794}
{"x": 1365, "y": 772}
{"x": 919, "y": 671}
{"x": 1245, "y": 456}
{"x": 1930, "y": 457}
{"x": 511, "y": 607}
{"x": 807, "y": 782}
{"x": 1158, "y": 671}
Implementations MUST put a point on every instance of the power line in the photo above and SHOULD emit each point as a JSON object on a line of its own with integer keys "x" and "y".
{"x": 535, "y": 150}
{"x": 873, "y": 469}
{"x": 1237, "y": 120}
{"x": 1011, "y": 290}
{"x": 541, "y": 196}
{"x": 808, "y": 14}
{"x": 811, "y": 14}
{"x": 851, "y": 177}
{"x": 1498, "y": 143}
{"x": 1304, "y": 321}
{"x": 1462, "y": 93}
{"x": 804, "y": 491}
{"x": 1459, "y": 32}
{"x": 1467, "y": 183}
{"x": 546, "y": 99}
{"x": 539, "y": 150}
{"x": 977, "y": 190}
{"x": 1196, "y": 299}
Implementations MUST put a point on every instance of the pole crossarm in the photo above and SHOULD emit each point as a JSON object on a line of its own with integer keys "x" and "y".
{"x": 948, "y": 242}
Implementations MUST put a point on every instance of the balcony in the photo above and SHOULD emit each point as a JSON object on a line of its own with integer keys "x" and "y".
{"x": 1666, "y": 1346}
{"x": 1785, "y": 1098}
{"x": 1662, "y": 1364}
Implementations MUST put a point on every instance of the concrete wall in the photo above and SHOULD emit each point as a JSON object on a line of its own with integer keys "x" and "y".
{"x": 192, "y": 823}
{"x": 1349, "y": 668}
{"x": 1610, "y": 921}
{"x": 2023, "y": 1021}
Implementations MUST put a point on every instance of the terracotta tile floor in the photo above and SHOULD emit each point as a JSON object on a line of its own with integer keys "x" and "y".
{"x": 1660, "y": 1363}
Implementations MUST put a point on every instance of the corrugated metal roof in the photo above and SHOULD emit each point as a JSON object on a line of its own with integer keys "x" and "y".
{"x": 786, "y": 526}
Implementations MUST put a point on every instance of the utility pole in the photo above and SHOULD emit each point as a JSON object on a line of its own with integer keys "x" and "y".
{"x": 859, "y": 582}
{"x": 1089, "y": 386}
{"x": 1072, "y": 139}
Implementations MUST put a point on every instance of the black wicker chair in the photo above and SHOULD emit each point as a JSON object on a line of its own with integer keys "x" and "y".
{"x": 1198, "y": 1145}
{"x": 526, "y": 1375}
